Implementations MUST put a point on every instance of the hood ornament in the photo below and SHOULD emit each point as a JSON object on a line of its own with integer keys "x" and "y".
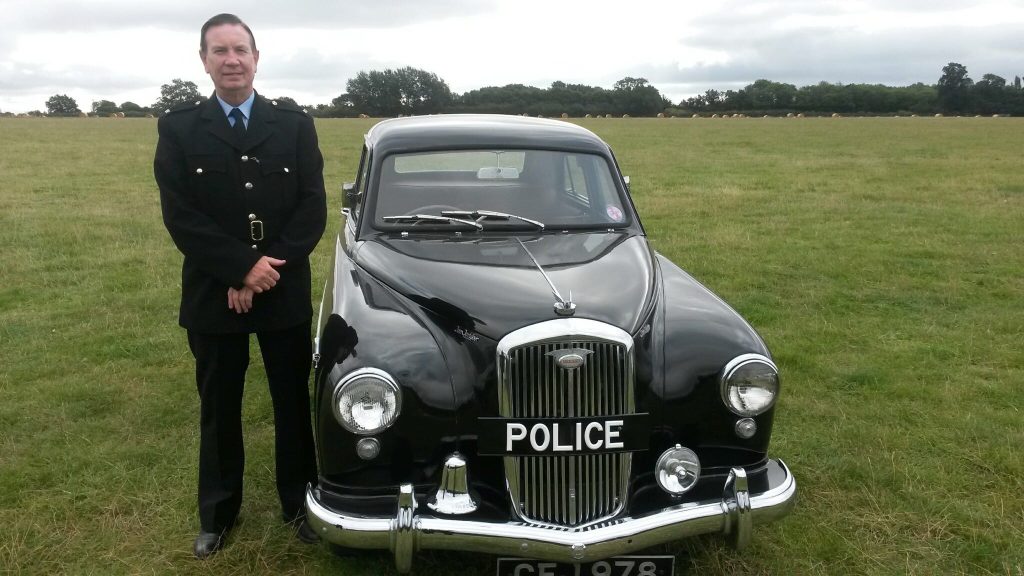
{"x": 563, "y": 307}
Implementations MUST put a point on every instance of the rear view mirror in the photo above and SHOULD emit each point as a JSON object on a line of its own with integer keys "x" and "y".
{"x": 495, "y": 173}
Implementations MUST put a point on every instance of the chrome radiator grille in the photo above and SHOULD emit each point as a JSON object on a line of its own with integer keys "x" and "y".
{"x": 573, "y": 490}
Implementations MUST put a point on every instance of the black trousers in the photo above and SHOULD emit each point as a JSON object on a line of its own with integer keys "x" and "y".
{"x": 221, "y": 362}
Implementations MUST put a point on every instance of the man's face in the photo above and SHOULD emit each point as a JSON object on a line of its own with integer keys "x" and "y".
{"x": 230, "y": 61}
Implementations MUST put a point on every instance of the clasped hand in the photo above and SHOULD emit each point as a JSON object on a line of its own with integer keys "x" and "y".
{"x": 261, "y": 277}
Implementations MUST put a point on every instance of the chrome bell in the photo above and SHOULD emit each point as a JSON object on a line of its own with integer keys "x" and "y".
{"x": 452, "y": 496}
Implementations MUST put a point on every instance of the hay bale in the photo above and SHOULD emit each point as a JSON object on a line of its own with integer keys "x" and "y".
{"x": 607, "y": 115}
{"x": 695, "y": 116}
{"x": 800, "y": 115}
{"x": 938, "y": 115}
{"x": 661, "y": 114}
{"x": 587, "y": 116}
{"x": 790, "y": 115}
{"x": 564, "y": 115}
{"x": 836, "y": 115}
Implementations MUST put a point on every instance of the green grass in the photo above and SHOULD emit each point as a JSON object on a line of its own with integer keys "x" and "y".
{"x": 881, "y": 259}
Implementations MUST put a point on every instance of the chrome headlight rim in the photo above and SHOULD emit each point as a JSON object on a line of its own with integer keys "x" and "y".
{"x": 730, "y": 370}
{"x": 347, "y": 380}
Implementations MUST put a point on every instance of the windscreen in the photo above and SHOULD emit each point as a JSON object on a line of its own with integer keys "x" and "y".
{"x": 559, "y": 189}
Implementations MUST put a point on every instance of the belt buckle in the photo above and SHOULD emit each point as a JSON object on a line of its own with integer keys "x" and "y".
{"x": 256, "y": 230}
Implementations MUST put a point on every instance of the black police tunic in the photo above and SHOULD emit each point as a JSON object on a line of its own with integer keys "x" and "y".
{"x": 227, "y": 201}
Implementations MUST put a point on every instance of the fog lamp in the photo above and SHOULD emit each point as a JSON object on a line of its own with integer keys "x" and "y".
{"x": 677, "y": 470}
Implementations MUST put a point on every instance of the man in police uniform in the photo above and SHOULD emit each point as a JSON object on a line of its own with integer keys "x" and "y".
{"x": 242, "y": 193}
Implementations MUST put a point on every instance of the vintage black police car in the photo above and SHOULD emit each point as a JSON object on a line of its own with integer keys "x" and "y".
{"x": 506, "y": 366}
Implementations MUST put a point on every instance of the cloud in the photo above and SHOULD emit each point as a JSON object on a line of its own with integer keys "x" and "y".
{"x": 803, "y": 52}
{"x": 189, "y": 15}
{"x": 120, "y": 49}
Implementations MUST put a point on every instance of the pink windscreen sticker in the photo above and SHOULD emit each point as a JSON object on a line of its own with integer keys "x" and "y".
{"x": 614, "y": 213}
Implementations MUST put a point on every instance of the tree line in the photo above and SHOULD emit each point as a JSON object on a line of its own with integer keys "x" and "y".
{"x": 410, "y": 91}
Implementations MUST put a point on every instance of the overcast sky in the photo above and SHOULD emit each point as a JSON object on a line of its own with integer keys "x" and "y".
{"x": 123, "y": 50}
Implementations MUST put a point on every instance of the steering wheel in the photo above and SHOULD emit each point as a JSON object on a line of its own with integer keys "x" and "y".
{"x": 432, "y": 209}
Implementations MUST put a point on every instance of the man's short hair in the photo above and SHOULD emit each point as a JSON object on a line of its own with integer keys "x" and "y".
{"x": 220, "y": 20}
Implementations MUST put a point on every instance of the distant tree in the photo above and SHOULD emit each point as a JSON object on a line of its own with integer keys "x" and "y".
{"x": 954, "y": 88}
{"x": 990, "y": 95}
{"x": 634, "y": 96}
{"x": 177, "y": 92}
{"x": 104, "y": 108}
{"x": 1016, "y": 82}
{"x": 62, "y": 105}
{"x": 992, "y": 81}
{"x": 403, "y": 91}
{"x": 133, "y": 110}
{"x": 508, "y": 99}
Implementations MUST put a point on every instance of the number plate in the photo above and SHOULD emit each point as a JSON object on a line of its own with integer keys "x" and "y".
{"x": 615, "y": 566}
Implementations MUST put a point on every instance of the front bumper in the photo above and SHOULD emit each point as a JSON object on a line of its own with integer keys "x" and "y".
{"x": 409, "y": 531}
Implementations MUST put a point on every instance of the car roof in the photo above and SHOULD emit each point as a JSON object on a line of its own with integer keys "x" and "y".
{"x": 453, "y": 131}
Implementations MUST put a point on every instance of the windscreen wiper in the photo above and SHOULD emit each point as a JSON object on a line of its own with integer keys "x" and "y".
{"x": 481, "y": 215}
{"x": 420, "y": 218}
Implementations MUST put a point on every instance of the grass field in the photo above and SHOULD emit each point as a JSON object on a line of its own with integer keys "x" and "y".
{"x": 881, "y": 259}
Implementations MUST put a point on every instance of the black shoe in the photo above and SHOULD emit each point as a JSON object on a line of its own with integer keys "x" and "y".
{"x": 208, "y": 543}
{"x": 305, "y": 533}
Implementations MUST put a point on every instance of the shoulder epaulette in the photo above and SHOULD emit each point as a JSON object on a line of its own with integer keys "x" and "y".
{"x": 183, "y": 106}
{"x": 287, "y": 106}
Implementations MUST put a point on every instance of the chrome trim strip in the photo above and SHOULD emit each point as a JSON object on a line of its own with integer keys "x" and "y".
{"x": 408, "y": 532}
{"x": 564, "y": 329}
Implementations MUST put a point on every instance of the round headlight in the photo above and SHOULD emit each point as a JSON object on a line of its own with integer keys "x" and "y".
{"x": 750, "y": 384}
{"x": 677, "y": 470}
{"x": 367, "y": 401}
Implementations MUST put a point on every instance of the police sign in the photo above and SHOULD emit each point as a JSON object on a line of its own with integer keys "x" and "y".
{"x": 560, "y": 436}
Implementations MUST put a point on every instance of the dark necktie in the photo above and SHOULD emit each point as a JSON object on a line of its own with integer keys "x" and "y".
{"x": 239, "y": 123}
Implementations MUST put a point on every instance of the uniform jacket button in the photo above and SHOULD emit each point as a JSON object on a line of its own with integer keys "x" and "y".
{"x": 199, "y": 170}
{"x": 252, "y": 217}
{"x": 248, "y": 185}
{"x": 253, "y": 246}
{"x": 245, "y": 158}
